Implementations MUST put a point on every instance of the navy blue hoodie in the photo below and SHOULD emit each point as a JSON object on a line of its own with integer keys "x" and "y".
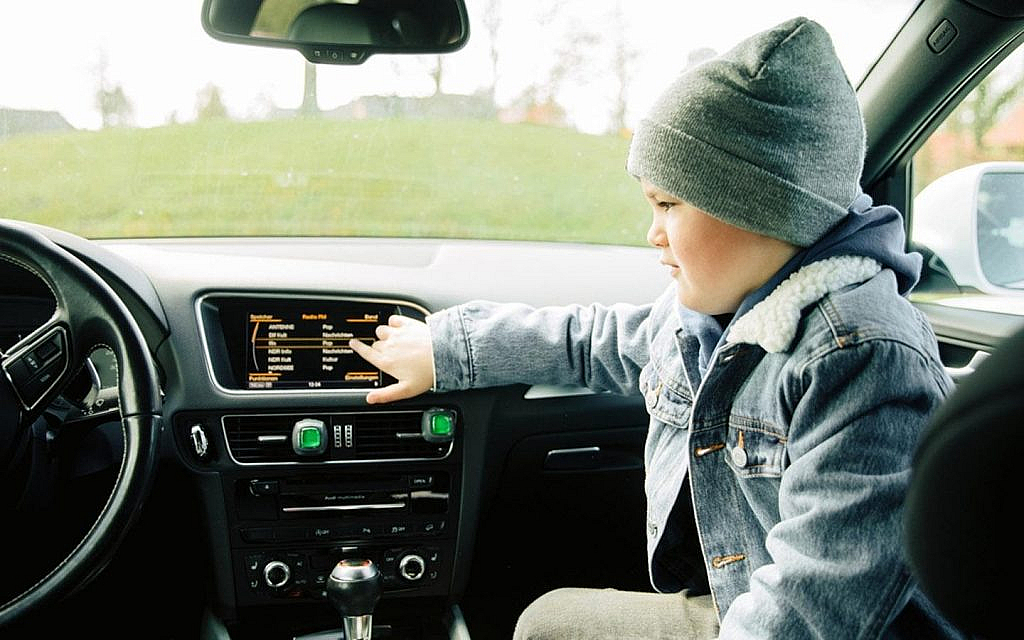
{"x": 869, "y": 231}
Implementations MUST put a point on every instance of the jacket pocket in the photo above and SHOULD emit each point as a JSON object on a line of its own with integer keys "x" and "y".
{"x": 754, "y": 448}
{"x": 663, "y": 400}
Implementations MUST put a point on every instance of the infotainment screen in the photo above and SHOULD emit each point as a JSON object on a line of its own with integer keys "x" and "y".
{"x": 308, "y": 348}
{"x": 303, "y": 343}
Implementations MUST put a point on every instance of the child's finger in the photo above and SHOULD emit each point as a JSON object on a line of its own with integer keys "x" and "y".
{"x": 365, "y": 351}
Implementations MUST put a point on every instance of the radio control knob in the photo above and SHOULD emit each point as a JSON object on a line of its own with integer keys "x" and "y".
{"x": 412, "y": 567}
{"x": 276, "y": 574}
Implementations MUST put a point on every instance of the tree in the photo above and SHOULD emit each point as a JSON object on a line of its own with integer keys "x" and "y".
{"x": 115, "y": 108}
{"x": 209, "y": 105}
{"x": 492, "y": 23}
{"x": 983, "y": 106}
{"x": 113, "y": 104}
{"x": 622, "y": 63}
{"x": 309, "y": 103}
{"x": 436, "y": 74}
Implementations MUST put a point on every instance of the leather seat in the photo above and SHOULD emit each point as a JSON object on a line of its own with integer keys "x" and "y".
{"x": 961, "y": 539}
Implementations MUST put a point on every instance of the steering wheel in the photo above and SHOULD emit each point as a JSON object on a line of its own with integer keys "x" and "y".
{"x": 35, "y": 370}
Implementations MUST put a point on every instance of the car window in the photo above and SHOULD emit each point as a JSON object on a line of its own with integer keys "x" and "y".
{"x": 138, "y": 124}
{"x": 968, "y": 211}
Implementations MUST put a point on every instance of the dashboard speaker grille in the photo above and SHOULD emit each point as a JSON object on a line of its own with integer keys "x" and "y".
{"x": 351, "y": 437}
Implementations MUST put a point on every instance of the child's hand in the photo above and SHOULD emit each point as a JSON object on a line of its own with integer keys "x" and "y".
{"x": 403, "y": 350}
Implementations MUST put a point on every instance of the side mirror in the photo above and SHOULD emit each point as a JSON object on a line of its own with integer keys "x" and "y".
{"x": 973, "y": 220}
{"x": 340, "y": 31}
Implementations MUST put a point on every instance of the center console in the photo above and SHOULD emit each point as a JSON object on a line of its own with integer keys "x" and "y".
{"x": 309, "y": 475}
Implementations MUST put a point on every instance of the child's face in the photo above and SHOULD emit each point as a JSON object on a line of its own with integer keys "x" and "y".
{"x": 715, "y": 265}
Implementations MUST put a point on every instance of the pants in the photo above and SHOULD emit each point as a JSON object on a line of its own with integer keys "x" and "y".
{"x": 607, "y": 614}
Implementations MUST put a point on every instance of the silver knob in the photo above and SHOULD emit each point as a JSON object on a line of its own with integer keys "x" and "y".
{"x": 412, "y": 567}
{"x": 276, "y": 574}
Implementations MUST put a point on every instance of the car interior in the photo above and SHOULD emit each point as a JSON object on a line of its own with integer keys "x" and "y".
{"x": 185, "y": 446}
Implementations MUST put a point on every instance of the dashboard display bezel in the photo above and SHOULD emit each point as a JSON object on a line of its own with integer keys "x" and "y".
{"x": 213, "y": 339}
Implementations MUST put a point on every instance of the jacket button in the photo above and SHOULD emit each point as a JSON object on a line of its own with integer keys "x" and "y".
{"x": 739, "y": 457}
{"x": 657, "y": 395}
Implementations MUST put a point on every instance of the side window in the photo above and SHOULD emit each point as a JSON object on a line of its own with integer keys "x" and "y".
{"x": 968, "y": 213}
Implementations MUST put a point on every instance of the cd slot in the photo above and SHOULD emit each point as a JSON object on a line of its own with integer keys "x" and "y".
{"x": 345, "y": 507}
{"x": 352, "y": 502}
{"x": 424, "y": 493}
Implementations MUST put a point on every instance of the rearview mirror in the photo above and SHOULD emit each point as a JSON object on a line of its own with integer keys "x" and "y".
{"x": 340, "y": 31}
{"x": 973, "y": 220}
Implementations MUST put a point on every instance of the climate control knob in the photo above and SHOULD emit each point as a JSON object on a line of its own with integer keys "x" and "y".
{"x": 412, "y": 567}
{"x": 276, "y": 574}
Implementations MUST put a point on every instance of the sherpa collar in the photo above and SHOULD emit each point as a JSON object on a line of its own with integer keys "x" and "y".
{"x": 772, "y": 322}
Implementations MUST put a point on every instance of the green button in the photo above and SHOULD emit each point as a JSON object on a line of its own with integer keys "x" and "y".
{"x": 441, "y": 424}
{"x": 309, "y": 438}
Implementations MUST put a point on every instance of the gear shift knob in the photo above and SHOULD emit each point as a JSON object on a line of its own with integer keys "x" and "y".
{"x": 354, "y": 589}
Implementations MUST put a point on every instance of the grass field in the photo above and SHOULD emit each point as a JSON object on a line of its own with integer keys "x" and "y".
{"x": 406, "y": 178}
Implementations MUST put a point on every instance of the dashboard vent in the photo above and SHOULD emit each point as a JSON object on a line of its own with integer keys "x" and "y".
{"x": 351, "y": 437}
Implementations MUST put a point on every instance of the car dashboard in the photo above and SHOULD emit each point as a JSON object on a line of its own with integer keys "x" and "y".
{"x": 289, "y": 470}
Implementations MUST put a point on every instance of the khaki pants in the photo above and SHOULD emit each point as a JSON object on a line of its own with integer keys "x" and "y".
{"x": 607, "y": 614}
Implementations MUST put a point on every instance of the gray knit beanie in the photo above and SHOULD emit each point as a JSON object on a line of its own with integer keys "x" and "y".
{"x": 767, "y": 137}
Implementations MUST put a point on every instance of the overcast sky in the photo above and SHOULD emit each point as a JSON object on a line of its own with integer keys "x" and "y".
{"x": 161, "y": 57}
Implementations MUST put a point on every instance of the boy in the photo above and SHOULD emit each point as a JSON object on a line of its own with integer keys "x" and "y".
{"x": 785, "y": 375}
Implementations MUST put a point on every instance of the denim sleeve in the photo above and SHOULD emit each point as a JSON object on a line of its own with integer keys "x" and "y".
{"x": 484, "y": 344}
{"x": 837, "y": 565}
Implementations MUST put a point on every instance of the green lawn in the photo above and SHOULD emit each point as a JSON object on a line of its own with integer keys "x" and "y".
{"x": 323, "y": 177}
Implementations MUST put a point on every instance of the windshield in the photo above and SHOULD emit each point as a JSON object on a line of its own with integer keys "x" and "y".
{"x": 124, "y": 119}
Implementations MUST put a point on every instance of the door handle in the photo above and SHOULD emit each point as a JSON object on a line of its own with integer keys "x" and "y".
{"x": 958, "y": 374}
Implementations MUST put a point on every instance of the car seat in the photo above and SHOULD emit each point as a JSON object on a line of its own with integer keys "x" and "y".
{"x": 964, "y": 499}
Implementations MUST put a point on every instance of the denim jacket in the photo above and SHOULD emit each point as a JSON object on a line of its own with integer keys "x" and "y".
{"x": 797, "y": 440}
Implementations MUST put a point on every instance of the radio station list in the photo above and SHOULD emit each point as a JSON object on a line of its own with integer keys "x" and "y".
{"x": 298, "y": 350}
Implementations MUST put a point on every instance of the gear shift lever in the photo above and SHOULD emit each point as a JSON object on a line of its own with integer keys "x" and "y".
{"x": 353, "y": 589}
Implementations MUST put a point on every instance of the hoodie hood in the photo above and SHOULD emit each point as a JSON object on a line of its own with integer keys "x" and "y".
{"x": 870, "y": 232}
{"x": 867, "y": 240}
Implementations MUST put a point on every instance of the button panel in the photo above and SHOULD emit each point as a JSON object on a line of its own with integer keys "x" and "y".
{"x": 343, "y": 532}
{"x": 303, "y": 574}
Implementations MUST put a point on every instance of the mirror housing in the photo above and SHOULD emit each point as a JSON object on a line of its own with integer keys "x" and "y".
{"x": 973, "y": 221}
{"x": 340, "y": 31}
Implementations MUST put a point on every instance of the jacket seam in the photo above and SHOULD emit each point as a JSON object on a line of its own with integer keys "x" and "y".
{"x": 469, "y": 347}
{"x": 753, "y": 424}
{"x": 881, "y": 622}
{"x": 817, "y": 356}
{"x": 670, "y": 381}
{"x": 832, "y": 319}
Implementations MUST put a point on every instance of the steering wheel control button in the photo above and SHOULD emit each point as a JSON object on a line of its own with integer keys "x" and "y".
{"x": 438, "y": 425}
{"x": 19, "y": 372}
{"x": 31, "y": 362}
{"x": 309, "y": 437}
{"x": 35, "y": 368}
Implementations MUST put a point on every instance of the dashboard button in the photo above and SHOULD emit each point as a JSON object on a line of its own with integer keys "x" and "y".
{"x": 421, "y": 481}
{"x": 257, "y": 535}
{"x": 291, "y": 533}
{"x": 264, "y": 487}
{"x": 397, "y": 529}
{"x": 365, "y": 529}
{"x": 324, "y": 533}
